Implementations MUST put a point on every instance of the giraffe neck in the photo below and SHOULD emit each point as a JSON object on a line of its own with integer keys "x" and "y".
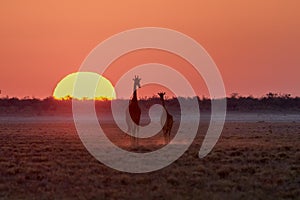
{"x": 134, "y": 97}
{"x": 163, "y": 104}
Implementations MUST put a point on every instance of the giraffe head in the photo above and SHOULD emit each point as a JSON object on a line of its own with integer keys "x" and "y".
{"x": 136, "y": 81}
{"x": 161, "y": 95}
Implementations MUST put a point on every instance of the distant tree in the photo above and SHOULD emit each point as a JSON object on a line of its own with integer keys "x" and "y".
{"x": 272, "y": 95}
{"x": 286, "y": 96}
{"x": 234, "y": 95}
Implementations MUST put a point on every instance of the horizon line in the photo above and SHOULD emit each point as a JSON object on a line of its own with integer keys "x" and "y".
{"x": 233, "y": 95}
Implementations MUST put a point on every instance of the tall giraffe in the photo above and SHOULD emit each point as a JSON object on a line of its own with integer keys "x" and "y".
{"x": 133, "y": 113}
{"x": 167, "y": 117}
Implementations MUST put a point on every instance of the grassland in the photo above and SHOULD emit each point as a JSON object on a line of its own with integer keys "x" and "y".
{"x": 252, "y": 160}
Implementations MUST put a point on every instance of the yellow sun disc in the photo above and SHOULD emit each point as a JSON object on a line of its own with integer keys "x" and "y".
{"x": 85, "y": 89}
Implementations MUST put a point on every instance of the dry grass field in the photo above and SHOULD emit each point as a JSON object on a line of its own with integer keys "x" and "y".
{"x": 252, "y": 160}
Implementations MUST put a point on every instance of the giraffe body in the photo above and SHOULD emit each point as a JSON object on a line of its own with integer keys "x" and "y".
{"x": 166, "y": 120}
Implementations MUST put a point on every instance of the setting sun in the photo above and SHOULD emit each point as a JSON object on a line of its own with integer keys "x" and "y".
{"x": 91, "y": 86}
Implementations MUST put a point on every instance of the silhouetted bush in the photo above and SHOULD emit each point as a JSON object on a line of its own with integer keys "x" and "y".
{"x": 269, "y": 102}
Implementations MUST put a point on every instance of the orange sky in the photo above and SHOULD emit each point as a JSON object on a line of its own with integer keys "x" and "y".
{"x": 256, "y": 44}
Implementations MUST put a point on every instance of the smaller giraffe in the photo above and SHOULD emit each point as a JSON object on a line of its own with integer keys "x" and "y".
{"x": 167, "y": 117}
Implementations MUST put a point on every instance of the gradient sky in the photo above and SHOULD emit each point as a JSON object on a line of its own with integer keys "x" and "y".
{"x": 255, "y": 44}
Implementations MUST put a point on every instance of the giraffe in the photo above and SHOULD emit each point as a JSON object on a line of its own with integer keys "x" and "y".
{"x": 133, "y": 112}
{"x": 167, "y": 117}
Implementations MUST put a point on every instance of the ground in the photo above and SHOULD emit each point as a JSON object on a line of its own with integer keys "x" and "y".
{"x": 252, "y": 160}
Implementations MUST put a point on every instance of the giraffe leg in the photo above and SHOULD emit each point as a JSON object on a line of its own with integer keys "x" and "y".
{"x": 166, "y": 137}
{"x": 137, "y": 134}
{"x": 133, "y": 137}
{"x": 132, "y": 140}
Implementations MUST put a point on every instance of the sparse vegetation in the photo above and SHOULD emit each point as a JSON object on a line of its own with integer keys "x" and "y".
{"x": 48, "y": 161}
{"x": 33, "y": 106}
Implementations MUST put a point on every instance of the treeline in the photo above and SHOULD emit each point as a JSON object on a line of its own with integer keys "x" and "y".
{"x": 269, "y": 102}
